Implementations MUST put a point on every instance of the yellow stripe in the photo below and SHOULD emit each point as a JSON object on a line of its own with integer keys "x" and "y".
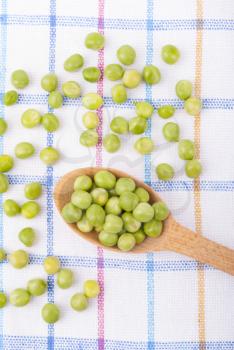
{"x": 197, "y": 193}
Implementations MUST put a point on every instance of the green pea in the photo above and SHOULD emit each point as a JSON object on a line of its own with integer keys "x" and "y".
{"x": 144, "y": 109}
{"x": 19, "y": 79}
{"x": 95, "y": 215}
{"x": 91, "y": 289}
{"x": 18, "y": 259}
{"x": 51, "y": 265}
{"x": 161, "y": 211}
{"x": 166, "y": 111}
{"x": 105, "y": 179}
{"x": 119, "y": 125}
{"x": 10, "y": 98}
{"x": 4, "y": 184}
{"x": 126, "y": 242}
{"x": 113, "y": 72}
{"x": 94, "y": 41}
{"x": 130, "y": 223}
{"x": 131, "y": 78}
{"x": 113, "y": 224}
{"x": 91, "y": 74}
{"x": 153, "y": 228}
{"x": 144, "y": 145}
{"x": 49, "y": 82}
{"x": 73, "y": 63}
{"x": 50, "y": 313}
{"x": 92, "y": 101}
{"x": 65, "y": 278}
{"x": 128, "y": 201}
{"x": 71, "y": 213}
{"x": 3, "y": 300}
{"x": 184, "y": 89}
{"x": 171, "y": 132}
{"x": 111, "y": 143}
{"x": 99, "y": 196}
{"x": 151, "y": 74}
{"x": 126, "y": 54}
{"x": 19, "y": 297}
{"x": 84, "y": 225}
{"x": 10, "y": 207}
{"x": 193, "y": 106}
{"x": 30, "y": 118}
{"x": 36, "y": 286}
{"x": 89, "y": 138}
{"x": 83, "y": 182}
{"x": 112, "y": 206}
{"x": 71, "y": 89}
{"x": 2, "y": 254}
{"x": 30, "y": 209}
{"x": 139, "y": 236}
{"x": 119, "y": 93}
{"x": 6, "y": 163}
{"x": 55, "y": 99}
{"x": 79, "y": 302}
{"x": 90, "y": 120}
{"x": 108, "y": 239}
{"x": 3, "y": 126}
{"x": 137, "y": 125}
{"x": 24, "y": 150}
{"x": 170, "y": 54}
{"x": 27, "y": 236}
{"x": 124, "y": 184}
{"x": 165, "y": 171}
{"x": 186, "y": 149}
{"x": 50, "y": 122}
{"x": 142, "y": 194}
{"x": 143, "y": 212}
{"x": 49, "y": 155}
{"x": 193, "y": 168}
{"x": 81, "y": 199}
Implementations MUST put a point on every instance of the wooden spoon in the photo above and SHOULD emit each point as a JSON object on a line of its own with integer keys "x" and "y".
{"x": 175, "y": 237}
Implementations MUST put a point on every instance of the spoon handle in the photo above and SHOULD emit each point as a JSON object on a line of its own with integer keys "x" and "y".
{"x": 184, "y": 241}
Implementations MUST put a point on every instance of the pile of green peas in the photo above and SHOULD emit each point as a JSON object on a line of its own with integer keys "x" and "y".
{"x": 117, "y": 209}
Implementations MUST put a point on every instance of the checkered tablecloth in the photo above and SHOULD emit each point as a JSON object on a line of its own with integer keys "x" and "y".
{"x": 155, "y": 301}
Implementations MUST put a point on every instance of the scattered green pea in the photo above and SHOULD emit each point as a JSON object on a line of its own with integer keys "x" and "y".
{"x": 114, "y": 72}
{"x": 19, "y": 79}
{"x": 73, "y": 63}
{"x": 161, "y": 211}
{"x": 55, "y": 99}
{"x": 50, "y": 122}
{"x": 119, "y": 93}
{"x": 49, "y": 82}
{"x": 166, "y": 111}
{"x": 95, "y": 215}
{"x": 4, "y": 183}
{"x": 99, "y": 196}
{"x": 193, "y": 106}
{"x": 51, "y": 265}
{"x": 2, "y": 254}
{"x": 151, "y": 74}
{"x": 131, "y": 78}
{"x": 171, "y": 132}
{"x": 105, "y": 179}
{"x": 27, "y": 236}
{"x": 24, "y": 150}
{"x": 170, "y": 54}
{"x": 91, "y": 74}
{"x": 144, "y": 145}
{"x": 143, "y": 212}
{"x": 50, "y": 313}
{"x": 193, "y": 168}
{"x": 83, "y": 182}
{"x": 119, "y": 125}
{"x": 142, "y": 194}
{"x": 30, "y": 118}
{"x": 18, "y": 259}
{"x": 164, "y": 171}
{"x": 19, "y": 297}
{"x": 91, "y": 289}
{"x": 112, "y": 206}
{"x": 89, "y": 138}
{"x": 137, "y": 125}
{"x": 30, "y": 209}
{"x": 81, "y": 199}
{"x": 71, "y": 213}
{"x": 36, "y": 286}
{"x": 3, "y": 300}
{"x": 92, "y": 101}
{"x": 144, "y": 109}
{"x": 184, "y": 89}
{"x": 186, "y": 149}
{"x": 113, "y": 224}
{"x": 126, "y": 55}
{"x": 90, "y": 120}
{"x": 10, "y": 98}
{"x": 84, "y": 225}
{"x": 139, "y": 236}
{"x": 65, "y": 278}
{"x": 111, "y": 143}
{"x": 3, "y": 126}
{"x": 94, "y": 41}
{"x": 10, "y": 207}
{"x": 130, "y": 223}
{"x": 126, "y": 242}
{"x": 49, "y": 155}
{"x": 6, "y": 163}
{"x": 153, "y": 228}
{"x": 79, "y": 302}
{"x": 71, "y": 89}
{"x": 128, "y": 201}
{"x": 108, "y": 239}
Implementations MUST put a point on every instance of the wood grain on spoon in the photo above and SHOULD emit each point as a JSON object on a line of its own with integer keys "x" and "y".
{"x": 175, "y": 237}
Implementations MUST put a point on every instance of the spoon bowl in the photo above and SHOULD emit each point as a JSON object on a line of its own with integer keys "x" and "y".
{"x": 174, "y": 237}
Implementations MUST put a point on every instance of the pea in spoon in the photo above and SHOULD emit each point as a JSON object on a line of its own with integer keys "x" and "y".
{"x": 174, "y": 237}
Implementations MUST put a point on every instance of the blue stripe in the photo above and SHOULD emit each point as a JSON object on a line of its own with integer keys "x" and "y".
{"x": 120, "y": 23}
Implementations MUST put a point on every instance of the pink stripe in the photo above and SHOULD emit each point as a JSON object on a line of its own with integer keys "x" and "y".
{"x": 100, "y": 265}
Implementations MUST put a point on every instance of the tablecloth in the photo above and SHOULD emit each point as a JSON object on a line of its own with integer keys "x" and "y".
{"x": 152, "y": 301}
